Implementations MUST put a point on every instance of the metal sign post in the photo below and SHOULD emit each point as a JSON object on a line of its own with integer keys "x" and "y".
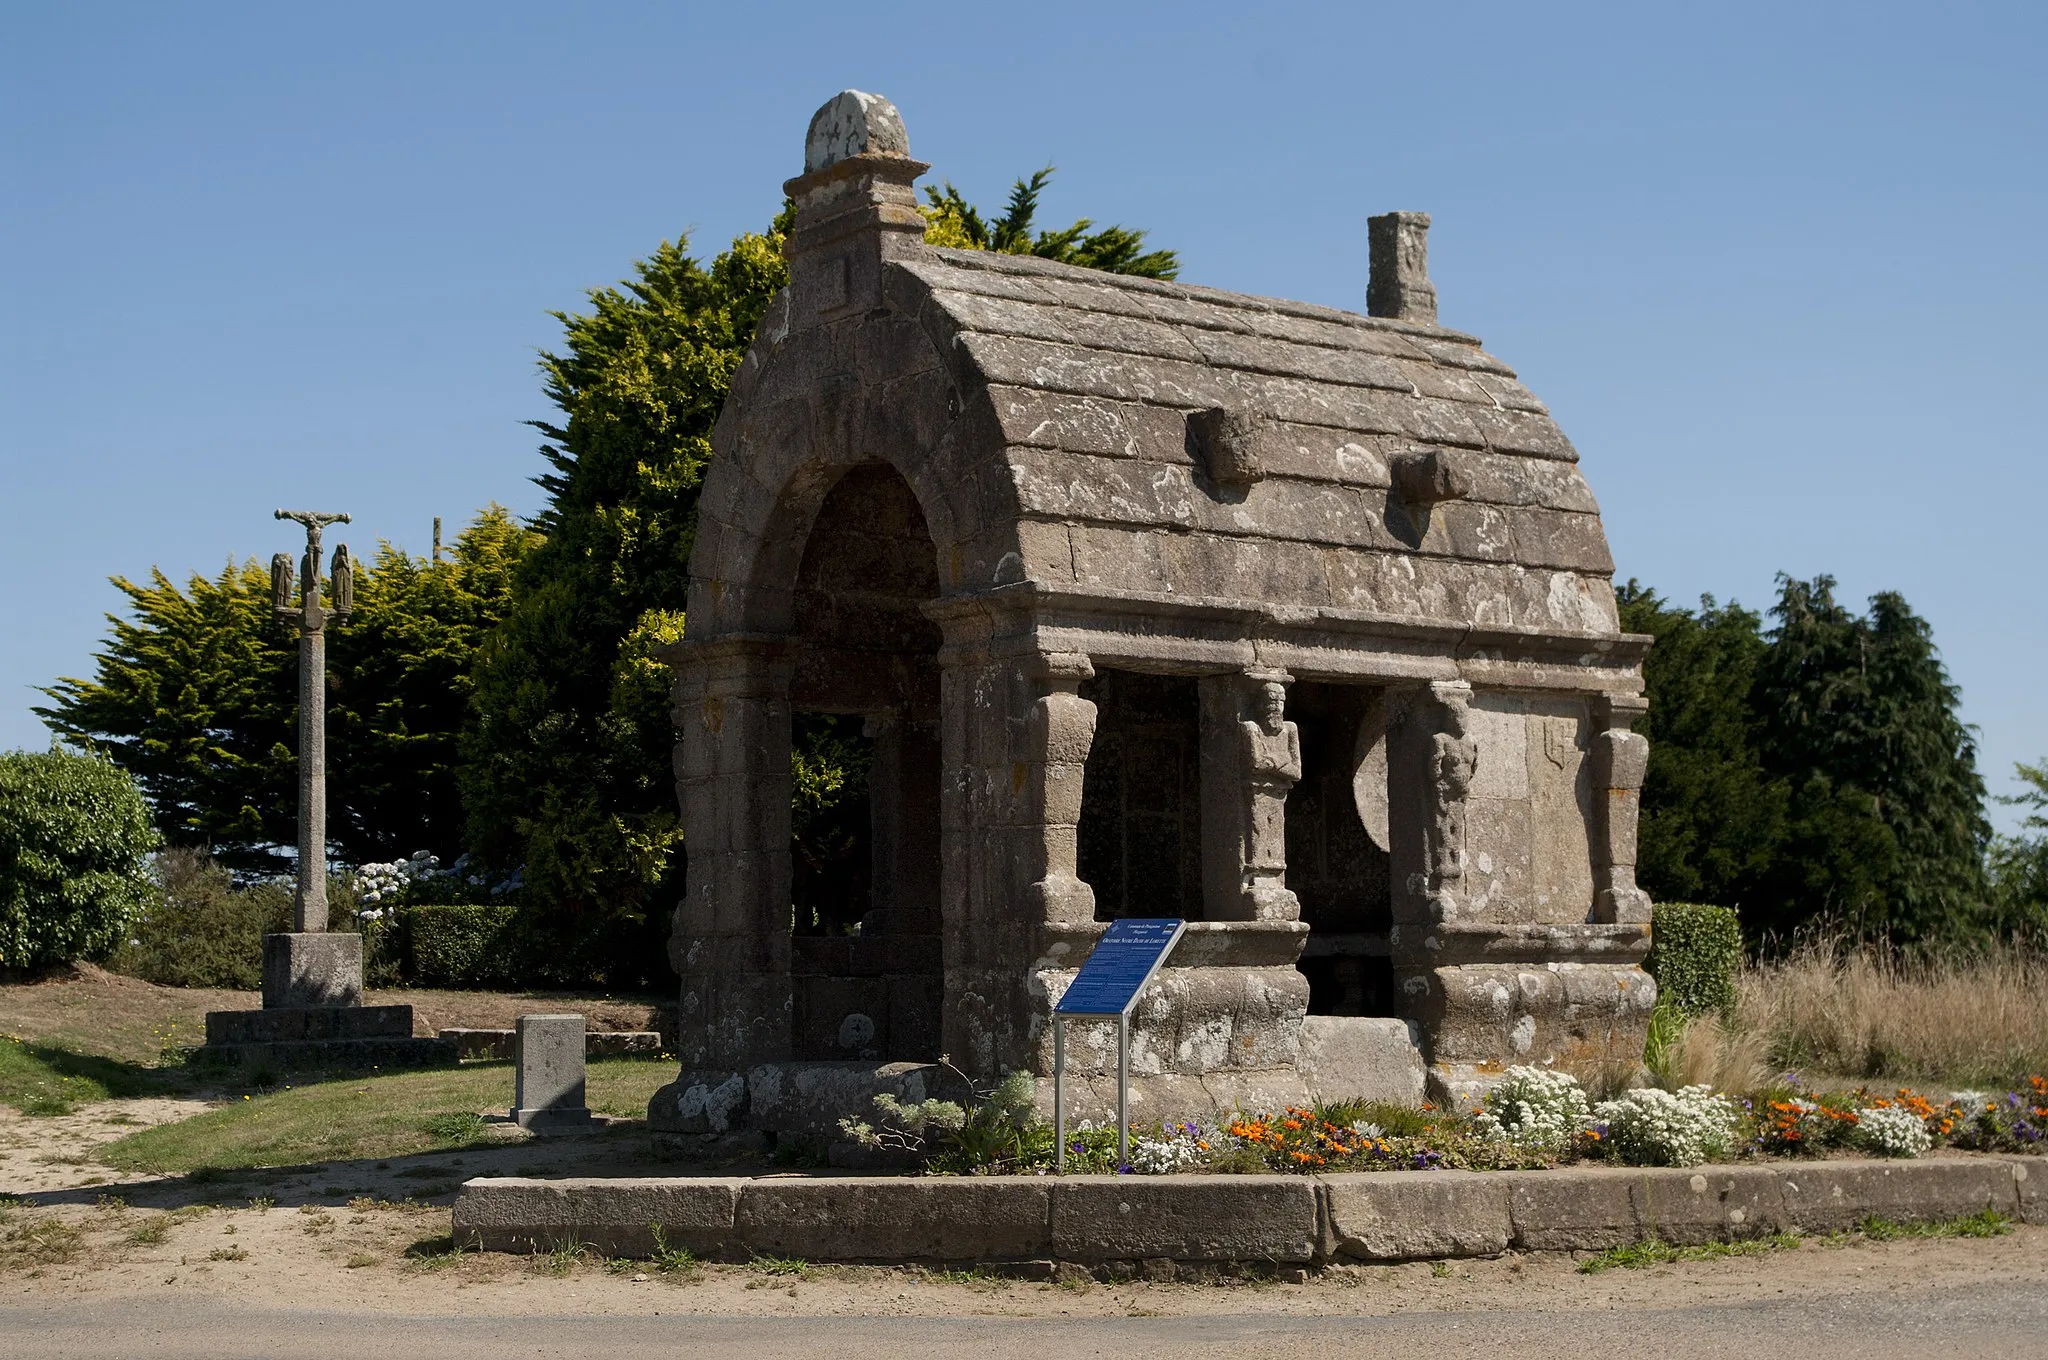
{"x": 1125, "y": 959}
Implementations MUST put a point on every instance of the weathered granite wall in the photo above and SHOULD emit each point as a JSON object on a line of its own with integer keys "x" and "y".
{"x": 1245, "y": 610}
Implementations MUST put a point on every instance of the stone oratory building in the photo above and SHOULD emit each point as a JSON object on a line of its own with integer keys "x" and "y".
{"x": 1153, "y": 600}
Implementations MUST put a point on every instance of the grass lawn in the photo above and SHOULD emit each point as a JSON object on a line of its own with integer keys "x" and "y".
{"x": 43, "y": 1079}
{"x": 364, "y": 1118}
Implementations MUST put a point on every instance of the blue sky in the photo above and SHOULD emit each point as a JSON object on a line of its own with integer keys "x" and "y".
{"x": 1777, "y": 269}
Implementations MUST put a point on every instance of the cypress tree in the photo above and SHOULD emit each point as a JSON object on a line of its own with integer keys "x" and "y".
{"x": 1859, "y": 713}
{"x": 195, "y": 694}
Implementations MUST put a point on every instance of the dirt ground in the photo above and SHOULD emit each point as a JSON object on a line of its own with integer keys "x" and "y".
{"x": 380, "y": 1257}
{"x": 364, "y": 1236}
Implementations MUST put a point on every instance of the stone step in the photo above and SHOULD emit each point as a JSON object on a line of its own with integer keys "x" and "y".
{"x": 292, "y": 1024}
{"x": 350, "y": 1054}
{"x": 502, "y": 1045}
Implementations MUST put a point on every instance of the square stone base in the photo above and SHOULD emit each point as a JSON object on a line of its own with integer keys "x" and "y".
{"x": 556, "y": 1119}
{"x": 312, "y": 970}
{"x": 307, "y": 1037}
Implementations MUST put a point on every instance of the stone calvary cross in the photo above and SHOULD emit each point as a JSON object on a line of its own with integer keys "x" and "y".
{"x": 310, "y": 967}
{"x": 313, "y": 1013}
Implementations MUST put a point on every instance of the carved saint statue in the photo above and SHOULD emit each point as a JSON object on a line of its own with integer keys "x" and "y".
{"x": 1272, "y": 765}
{"x": 1453, "y": 757}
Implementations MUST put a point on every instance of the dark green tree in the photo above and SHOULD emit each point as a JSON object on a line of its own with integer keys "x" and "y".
{"x": 1860, "y": 715}
{"x": 1816, "y": 776}
{"x": 567, "y": 758}
{"x": 195, "y": 695}
{"x": 1713, "y": 821}
{"x": 402, "y": 670}
{"x": 567, "y": 761}
{"x": 2019, "y": 863}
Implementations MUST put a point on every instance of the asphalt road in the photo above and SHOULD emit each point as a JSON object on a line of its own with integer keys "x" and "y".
{"x": 1981, "y": 1321}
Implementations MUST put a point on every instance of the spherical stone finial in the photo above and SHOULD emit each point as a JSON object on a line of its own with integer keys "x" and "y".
{"x": 851, "y": 123}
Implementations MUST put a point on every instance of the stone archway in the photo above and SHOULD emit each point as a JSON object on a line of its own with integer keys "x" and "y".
{"x": 866, "y": 971}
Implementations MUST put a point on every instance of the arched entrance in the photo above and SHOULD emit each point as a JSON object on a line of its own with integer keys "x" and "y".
{"x": 866, "y": 972}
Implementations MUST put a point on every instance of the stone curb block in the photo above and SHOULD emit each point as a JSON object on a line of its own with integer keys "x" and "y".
{"x": 1185, "y": 1218}
{"x": 617, "y": 1217}
{"x": 1290, "y": 1220}
{"x": 1831, "y": 1196}
{"x": 1584, "y": 1210}
{"x": 2028, "y": 1182}
{"x": 883, "y": 1218}
{"x": 1691, "y": 1205}
{"x": 1403, "y": 1216}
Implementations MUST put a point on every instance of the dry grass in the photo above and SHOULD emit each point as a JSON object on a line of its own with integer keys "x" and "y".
{"x": 1735, "y": 1058}
{"x": 1976, "y": 1020}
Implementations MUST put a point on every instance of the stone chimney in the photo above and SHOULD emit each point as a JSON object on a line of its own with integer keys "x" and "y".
{"x": 1400, "y": 286}
{"x": 855, "y": 208}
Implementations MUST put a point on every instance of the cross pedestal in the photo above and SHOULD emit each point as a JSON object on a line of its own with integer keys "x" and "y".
{"x": 313, "y": 1013}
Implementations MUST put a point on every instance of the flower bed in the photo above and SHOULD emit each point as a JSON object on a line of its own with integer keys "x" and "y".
{"x": 1534, "y": 1118}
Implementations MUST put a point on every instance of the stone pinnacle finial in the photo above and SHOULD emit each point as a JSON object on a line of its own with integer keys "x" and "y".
{"x": 850, "y": 124}
{"x": 1400, "y": 286}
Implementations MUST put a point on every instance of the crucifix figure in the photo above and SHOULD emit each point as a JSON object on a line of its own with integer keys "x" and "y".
{"x": 309, "y": 909}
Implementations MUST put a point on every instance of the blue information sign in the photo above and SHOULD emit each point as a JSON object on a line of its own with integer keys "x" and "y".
{"x": 1125, "y": 958}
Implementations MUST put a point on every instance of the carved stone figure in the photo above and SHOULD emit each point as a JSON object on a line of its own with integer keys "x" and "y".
{"x": 1272, "y": 765}
{"x": 1454, "y": 756}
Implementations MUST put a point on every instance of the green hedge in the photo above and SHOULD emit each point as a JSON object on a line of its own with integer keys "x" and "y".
{"x": 463, "y": 946}
{"x": 1695, "y": 951}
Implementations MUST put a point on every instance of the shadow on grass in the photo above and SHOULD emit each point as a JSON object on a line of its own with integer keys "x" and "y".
{"x": 44, "y": 1079}
{"x": 428, "y": 1179}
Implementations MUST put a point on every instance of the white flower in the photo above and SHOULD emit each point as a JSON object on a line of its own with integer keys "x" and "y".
{"x": 1665, "y": 1128}
{"x": 1173, "y": 1150}
{"x": 1365, "y": 1128}
{"x": 1890, "y": 1131}
{"x": 1534, "y": 1108}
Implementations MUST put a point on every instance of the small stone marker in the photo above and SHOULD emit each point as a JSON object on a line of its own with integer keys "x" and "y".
{"x": 550, "y": 1090}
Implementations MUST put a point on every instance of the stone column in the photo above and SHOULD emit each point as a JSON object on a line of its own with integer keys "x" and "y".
{"x": 1620, "y": 759}
{"x": 1015, "y": 741}
{"x": 1058, "y": 731}
{"x": 731, "y": 941}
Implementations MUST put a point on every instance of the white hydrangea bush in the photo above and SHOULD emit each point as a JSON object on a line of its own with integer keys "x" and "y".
{"x": 1535, "y": 1108}
{"x": 1889, "y": 1131}
{"x": 383, "y": 885}
{"x": 1668, "y": 1128}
